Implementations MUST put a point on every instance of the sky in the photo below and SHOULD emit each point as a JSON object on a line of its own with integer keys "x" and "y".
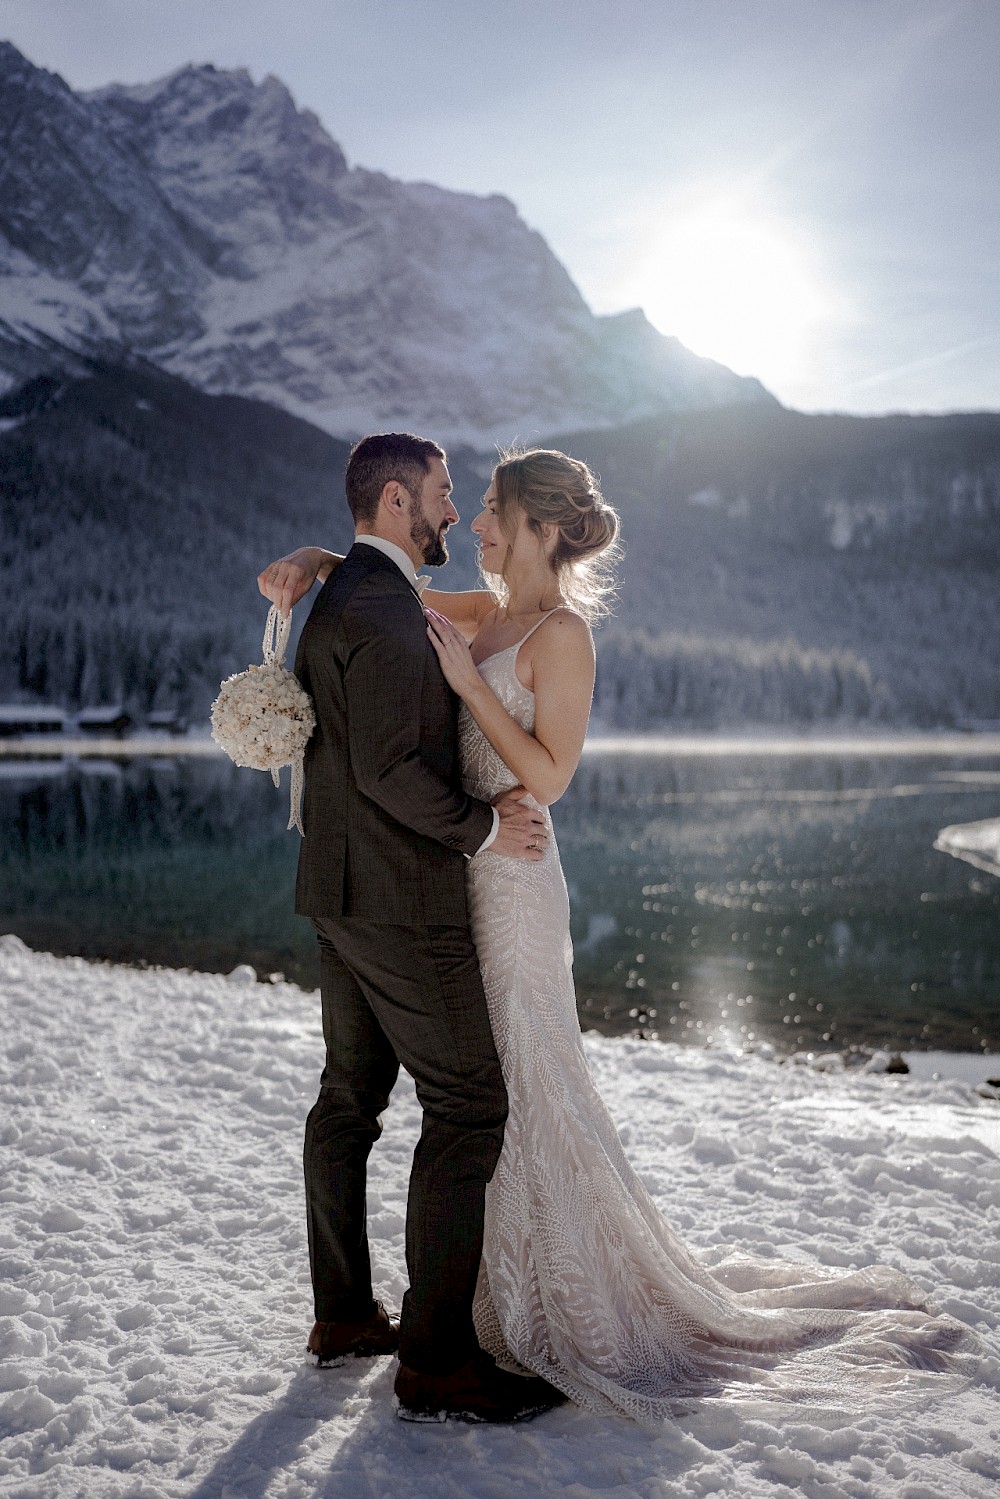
{"x": 806, "y": 190}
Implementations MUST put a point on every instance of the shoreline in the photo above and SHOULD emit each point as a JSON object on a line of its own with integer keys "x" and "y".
{"x": 170, "y": 937}
{"x": 852, "y": 1059}
{"x": 931, "y": 742}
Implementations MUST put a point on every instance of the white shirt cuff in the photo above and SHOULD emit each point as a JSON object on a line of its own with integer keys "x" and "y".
{"x": 491, "y": 834}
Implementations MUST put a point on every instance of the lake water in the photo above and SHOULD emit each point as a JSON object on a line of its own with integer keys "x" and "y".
{"x": 795, "y": 899}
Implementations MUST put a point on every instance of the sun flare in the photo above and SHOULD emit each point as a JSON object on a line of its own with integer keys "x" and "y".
{"x": 735, "y": 288}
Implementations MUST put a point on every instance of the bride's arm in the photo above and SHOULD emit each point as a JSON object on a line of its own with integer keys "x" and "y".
{"x": 563, "y": 684}
{"x": 290, "y": 578}
{"x": 465, "y": 610}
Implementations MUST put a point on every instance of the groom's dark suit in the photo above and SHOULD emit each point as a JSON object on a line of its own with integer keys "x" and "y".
{"x": 382, "y": 875}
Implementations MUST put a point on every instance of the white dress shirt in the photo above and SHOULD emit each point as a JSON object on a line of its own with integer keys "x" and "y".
{"x": 403, "y": 562}
{"x": 397, "y": 555}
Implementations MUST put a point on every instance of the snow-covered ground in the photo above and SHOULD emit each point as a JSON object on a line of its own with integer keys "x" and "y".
{"x": 153, "y": 1281}
{"x": 977, "y": 843}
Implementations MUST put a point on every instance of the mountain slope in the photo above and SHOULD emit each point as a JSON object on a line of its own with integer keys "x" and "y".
{"x": 209, "y": 225}
{"x": 778, "y": 568}
{"x": 875, "y": 536}
{"x": 135, "y": 513}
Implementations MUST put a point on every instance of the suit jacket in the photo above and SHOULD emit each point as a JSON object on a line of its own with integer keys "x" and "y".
{"x": 387, "y": 824}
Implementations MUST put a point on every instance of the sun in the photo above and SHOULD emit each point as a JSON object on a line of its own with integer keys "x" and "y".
{"x": 734, "y": 287}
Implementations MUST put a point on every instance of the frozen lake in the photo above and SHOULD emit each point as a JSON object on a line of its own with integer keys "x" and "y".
{"x": 793, "y": 896}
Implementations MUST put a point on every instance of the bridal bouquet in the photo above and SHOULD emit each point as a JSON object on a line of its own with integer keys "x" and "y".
{"x": 263, "y": 717}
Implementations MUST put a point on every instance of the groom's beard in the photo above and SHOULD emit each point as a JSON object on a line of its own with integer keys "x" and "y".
{"x": 430, "y": 543}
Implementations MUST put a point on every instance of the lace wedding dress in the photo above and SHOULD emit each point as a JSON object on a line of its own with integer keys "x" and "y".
{"x": 582, "y": 1280}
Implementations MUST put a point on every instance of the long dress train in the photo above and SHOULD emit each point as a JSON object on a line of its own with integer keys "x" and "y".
{"x": 583, "y": 1281}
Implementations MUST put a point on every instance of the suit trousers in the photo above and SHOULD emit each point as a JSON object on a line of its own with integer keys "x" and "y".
{"x": 410, "y": 995}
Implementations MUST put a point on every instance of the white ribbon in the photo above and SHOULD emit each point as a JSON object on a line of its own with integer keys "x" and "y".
{"x": 277, "y": 629}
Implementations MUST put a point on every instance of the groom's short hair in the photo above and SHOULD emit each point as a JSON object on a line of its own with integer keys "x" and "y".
{"x": 375, "y": 461}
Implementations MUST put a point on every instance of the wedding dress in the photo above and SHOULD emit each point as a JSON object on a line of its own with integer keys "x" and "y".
{"x": 582, "y": 1280}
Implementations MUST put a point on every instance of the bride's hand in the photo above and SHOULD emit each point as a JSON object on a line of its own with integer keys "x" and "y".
{"x": 454, "y": 655}
{"x": 290, "y": 578}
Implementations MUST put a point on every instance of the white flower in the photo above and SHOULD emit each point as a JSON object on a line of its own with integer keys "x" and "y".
{"x": 263, "y": 716}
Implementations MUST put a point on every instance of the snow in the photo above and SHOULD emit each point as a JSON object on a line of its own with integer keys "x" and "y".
{"x": 38, "y": 306}
{"x": 154, "y": 1294}
{"x": 977, "y": 843}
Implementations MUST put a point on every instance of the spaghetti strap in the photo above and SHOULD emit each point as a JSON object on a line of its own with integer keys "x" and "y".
{"x": 534, "y": 627}
{"x": 518, "y": 643}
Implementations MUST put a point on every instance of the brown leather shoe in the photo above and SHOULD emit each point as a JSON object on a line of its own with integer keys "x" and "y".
{"x": 478, "y": 1391}
{"x": 331, "y": 1343}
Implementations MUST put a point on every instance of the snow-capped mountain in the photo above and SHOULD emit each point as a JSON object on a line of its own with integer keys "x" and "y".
{"x": 207, "y": 224}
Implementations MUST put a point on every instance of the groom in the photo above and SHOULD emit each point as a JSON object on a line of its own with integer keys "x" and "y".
{"x": 388, "y": 829}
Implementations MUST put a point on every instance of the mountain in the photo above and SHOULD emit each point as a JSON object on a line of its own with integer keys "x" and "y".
{"x": 804, "y": 566}
{"x": 200, "y": 300}
{"x": 206, "y": 224}
{"x": 779, "y": 568}
{"x": 135, "y": 513}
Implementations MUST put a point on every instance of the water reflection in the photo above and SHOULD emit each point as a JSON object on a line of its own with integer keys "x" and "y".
{"x": 794, "y": 900}
{"x": 164, "y": 861}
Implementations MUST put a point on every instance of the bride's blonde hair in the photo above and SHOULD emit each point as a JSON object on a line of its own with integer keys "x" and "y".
{"x": 554, "y": 489}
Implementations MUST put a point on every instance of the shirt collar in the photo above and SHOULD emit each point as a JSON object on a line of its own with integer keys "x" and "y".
{"x": 397, "y": 555}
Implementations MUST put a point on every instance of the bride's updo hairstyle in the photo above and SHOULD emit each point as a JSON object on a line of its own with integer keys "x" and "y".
{"x": 554, "y": 489}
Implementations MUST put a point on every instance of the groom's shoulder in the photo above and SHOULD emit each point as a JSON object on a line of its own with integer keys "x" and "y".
{"x": 365, "y": 585}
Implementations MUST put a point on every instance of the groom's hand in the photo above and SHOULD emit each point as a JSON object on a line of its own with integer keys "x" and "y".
{"x": 522, "y": 833}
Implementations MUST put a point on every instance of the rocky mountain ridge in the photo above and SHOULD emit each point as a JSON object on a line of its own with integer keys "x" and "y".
{"x": 205, "y": 223}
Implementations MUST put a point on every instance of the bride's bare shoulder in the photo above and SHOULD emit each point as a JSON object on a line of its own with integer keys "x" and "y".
{"x": 565, "y": 624}
{"x": 564, "y": 633}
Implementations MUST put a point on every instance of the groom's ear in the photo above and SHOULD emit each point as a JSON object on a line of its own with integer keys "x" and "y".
{"x": 394, "y": 497}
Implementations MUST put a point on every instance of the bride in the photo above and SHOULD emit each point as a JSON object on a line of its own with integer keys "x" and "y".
{"x": 582, "y": 1279}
